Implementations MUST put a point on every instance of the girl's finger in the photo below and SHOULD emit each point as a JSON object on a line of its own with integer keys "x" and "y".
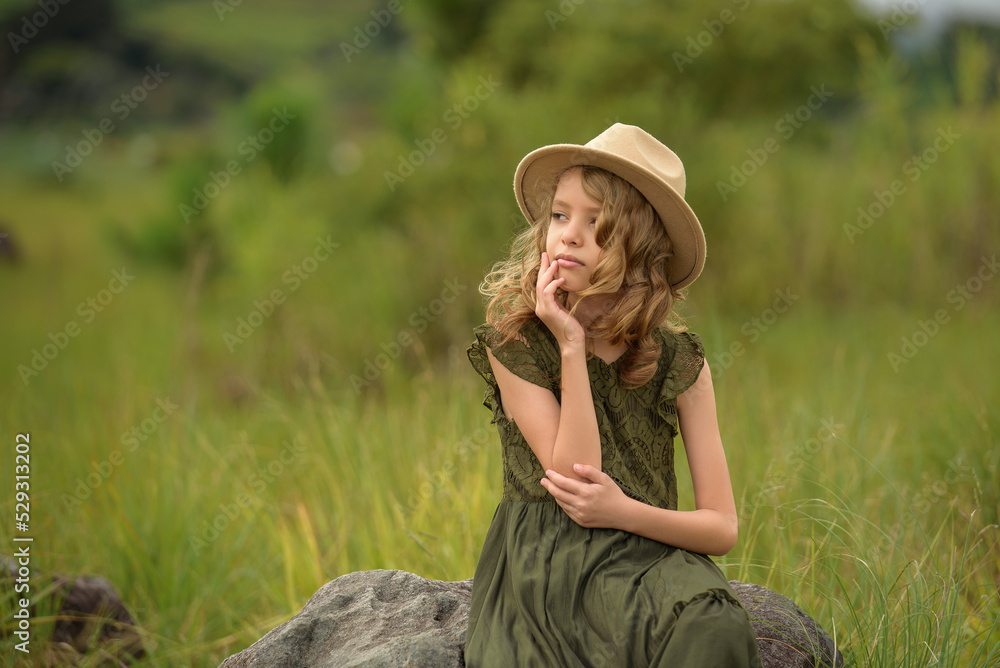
{"x": 589, "y": 472}
{"x": 565, "y": 483}
{"x": 545, "y": 265}
{"x": 557, "y": 493}
{"x": 545, "y": 276}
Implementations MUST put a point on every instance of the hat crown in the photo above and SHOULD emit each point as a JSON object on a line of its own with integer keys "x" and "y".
{"x": 640, "y": 159}
{"x": 635, "y": 144}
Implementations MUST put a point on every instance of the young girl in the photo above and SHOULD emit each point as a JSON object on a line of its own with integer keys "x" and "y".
{"x": 588, "y": 562}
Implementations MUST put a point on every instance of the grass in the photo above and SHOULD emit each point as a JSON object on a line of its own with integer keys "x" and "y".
{"x": 867, "y": 487}
{"x": 235, "y": 509}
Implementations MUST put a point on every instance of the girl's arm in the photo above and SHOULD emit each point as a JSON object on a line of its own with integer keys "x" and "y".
{"x": 710, "y": 529}
{"x": 559, "y": 435}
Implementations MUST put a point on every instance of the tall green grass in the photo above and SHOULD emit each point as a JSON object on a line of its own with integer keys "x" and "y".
{"x": 867, "y": 528}
{"x": 883, "y": 527}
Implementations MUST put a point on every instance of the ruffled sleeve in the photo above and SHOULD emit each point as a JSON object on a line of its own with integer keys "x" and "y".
{"x": 686, "y": 354}
{"x": 529, "y": 357}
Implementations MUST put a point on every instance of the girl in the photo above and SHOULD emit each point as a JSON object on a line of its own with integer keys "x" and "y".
{"x": 587, "y": 561}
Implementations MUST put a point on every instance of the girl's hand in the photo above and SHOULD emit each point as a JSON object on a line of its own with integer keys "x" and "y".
{"x": 596, "y": 502}
{"x": 567, "y": 329}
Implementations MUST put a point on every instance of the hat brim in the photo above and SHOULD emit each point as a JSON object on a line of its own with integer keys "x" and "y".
{"x": 537, "y": 172}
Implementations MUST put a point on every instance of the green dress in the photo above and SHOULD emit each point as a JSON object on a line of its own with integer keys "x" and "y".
{"x": 550, "y": 593}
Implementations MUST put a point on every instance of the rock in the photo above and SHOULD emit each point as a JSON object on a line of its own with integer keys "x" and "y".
{"x": 369, "y": 618}
{"x": 389, "y": 619}
{"x": 92, "y": 619}
{"x": 91, "y": 609}
{"x": 9, "y": 250}
{"x": 786, "y": 636}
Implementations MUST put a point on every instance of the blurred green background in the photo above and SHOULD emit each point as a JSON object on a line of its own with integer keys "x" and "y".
{"x": 240, "y": 245}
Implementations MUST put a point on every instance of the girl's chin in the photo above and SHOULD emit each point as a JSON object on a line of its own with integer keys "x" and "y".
{"x": 571, "y": 294}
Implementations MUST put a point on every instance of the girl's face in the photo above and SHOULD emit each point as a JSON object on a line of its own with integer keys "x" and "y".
{"x": 570, "y": 241}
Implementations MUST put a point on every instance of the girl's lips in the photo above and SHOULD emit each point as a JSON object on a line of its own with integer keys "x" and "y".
{"x": 568, "y": 261}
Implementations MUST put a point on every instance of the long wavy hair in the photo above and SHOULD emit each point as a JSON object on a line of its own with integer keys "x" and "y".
{"x": 633, "y": 268}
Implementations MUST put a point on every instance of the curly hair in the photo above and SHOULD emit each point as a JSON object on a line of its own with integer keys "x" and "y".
{"x": 633, "y": 267}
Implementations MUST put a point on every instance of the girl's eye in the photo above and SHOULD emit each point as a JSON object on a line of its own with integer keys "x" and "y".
{"x": 558, "y": 216}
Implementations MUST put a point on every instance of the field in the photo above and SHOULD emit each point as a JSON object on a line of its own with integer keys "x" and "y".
{"x": 867, "y": 487}
{"x": 240, "y": 384}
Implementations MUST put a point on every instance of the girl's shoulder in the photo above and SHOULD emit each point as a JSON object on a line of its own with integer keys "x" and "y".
{"x": 535, "y": 339}
{"x": 682, "y": 358}
{"x": 532, "y": 335}
{"x": 532, "y": 353}
{"x": 673, "y": 341}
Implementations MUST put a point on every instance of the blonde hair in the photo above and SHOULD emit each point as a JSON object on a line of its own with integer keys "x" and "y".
{"x": 633, "y": 267}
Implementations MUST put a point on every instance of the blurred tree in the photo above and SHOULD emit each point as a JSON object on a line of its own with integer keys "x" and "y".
{"x": 27, "y": 78}
{"x": 277, "y": 124}
{"x": 75, "y": 59}
{"x": 174, "y": 240}
{"x": 451, "y": 26}
{"x": 734, "y": 57}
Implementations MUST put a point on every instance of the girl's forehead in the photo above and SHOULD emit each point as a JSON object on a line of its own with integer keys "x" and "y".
{"x": 570, "y": 187}
{"x": 575, "y": 172}
{"x": 571, "y": 175}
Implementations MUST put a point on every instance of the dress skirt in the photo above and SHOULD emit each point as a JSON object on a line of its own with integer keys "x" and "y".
{"x": 549, "y": 593}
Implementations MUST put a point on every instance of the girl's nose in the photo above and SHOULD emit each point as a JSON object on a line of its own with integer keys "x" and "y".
{"x": 572, "y": 233}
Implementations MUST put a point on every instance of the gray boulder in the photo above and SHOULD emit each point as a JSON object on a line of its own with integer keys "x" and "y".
{"x": 92, "y": 626}
{"x": 786, "y": 636}
{"x": 367, "y": 619}
{"x": 390, "y": 619}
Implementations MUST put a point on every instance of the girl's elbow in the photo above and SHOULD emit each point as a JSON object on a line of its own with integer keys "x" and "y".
{"x": 722, "y": 548}
{"x": 563, "y": 463}
{"x": 729, "y": 544}
{"x": 728, "y": 537}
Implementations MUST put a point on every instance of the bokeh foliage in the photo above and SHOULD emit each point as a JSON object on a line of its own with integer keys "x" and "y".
{"x": 401, "y": 154}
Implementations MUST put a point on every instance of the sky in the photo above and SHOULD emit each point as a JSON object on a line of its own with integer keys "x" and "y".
{"x": 935, "y": 15}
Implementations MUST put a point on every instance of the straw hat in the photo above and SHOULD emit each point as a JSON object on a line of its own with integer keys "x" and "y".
{"x": 640, "y": 159}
